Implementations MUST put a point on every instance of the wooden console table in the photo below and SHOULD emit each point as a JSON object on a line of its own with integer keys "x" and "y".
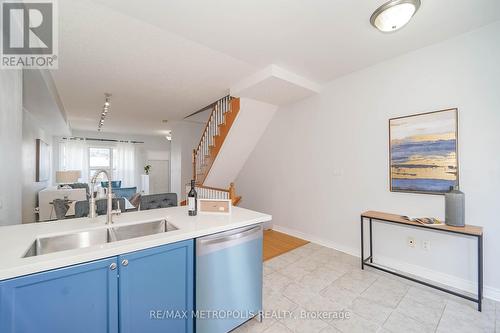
{"x": 468, "y": 230}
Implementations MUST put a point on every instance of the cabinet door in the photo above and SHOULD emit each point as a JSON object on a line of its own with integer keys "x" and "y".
{"x": 78, "y": 299}
{"x": 154, "y": 284}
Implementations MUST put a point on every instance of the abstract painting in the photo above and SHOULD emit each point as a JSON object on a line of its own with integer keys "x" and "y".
{"x": 424, "y": 152}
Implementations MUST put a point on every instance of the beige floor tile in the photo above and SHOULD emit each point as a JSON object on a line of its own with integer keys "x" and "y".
{"x": 291, "y": 257}
{"x": 277, "y": 302}
{"x": 308, "y": 264}
{"x": 429, "y": 315}
{"x": 355, "y": 324}
{"x": 277, "y": 263}
{"x": 293, "y": 272}
{"x": 398, "y": 322}
{"x": 427, "y": 296}
{"x": 373, "y": 311}
{"x": 460, "y": 317}
{"x": 305, "y": 252}
{"x": 298, "y": 294}
{"x": 386, "y": 292}
{"x": 275, "y": 282}
{"x": 498, "y": 317}
{"x": 356, "y": 281}
{"x": 300, "y": 322}
{"x": 254, "y": 326}
{"x": 329, "y": 329}
{"x": 278, "y": 327}
{"x": 313, "y": 247}
{"x": 321, "y": 303}
{"x": 317, "y": 278}
{"x": 339, "y": 295}
{"x": 350, "y": 260}
{"x": 329, "y": 272}
{"x": 266, "y": 270}
{"x": 317, "y": 282}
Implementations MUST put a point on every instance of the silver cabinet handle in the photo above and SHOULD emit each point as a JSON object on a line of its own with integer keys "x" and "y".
{"x": 124, "y": 262}
{"x": 112, "y": 266}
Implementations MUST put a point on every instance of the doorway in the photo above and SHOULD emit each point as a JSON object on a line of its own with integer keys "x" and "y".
{"x": 159, "y": 176}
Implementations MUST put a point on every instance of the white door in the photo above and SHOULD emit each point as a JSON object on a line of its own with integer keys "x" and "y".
{"x": 159, "y": 176}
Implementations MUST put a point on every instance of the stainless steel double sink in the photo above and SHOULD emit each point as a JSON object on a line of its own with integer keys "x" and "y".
{"x": 44, "y": 245}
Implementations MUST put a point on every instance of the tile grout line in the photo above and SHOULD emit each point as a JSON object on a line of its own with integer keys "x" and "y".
{"x": 441, "y": 317}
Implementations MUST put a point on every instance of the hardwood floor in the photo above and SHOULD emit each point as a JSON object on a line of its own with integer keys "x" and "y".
{"x": 277, "y": 243}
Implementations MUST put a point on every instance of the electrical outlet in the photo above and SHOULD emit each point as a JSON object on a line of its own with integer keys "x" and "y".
{"x": 411, "y": 242}
{"x": 426, "y": 245}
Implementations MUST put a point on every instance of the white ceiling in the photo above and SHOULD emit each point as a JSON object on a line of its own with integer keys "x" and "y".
{"x": 164, "y": 59}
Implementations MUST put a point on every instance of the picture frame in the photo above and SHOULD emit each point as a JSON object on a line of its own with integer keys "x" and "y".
{"x": 423, "y": 152}
{"x": 215, "y": 206}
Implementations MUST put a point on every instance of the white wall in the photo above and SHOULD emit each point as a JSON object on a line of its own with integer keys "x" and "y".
{"x": 30, "y": 132}
{"x": 10, "y": 146}
{"x": 185, "y": 137}
{"x": 324, "y": 160}
{"x": 249, "y": 125}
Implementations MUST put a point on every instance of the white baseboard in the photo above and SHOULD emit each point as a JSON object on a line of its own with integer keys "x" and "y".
{"x": 422, "y": 272}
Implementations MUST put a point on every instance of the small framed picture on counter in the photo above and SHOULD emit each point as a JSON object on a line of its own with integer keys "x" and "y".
{"x": 214, "y": 206}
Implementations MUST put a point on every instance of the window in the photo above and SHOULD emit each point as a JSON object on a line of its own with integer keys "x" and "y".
{"x": 100, "y": 158}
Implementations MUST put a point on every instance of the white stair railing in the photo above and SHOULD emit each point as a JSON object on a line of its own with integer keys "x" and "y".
{"x": 209, "y": 192}
{"x": 217, "y": 117}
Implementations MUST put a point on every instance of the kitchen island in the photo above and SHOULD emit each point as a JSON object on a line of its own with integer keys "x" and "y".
{"x": 114, "y": 286}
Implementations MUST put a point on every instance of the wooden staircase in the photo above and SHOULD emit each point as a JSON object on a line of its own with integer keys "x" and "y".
{"x": 219, "y": 123}
{"x": 222, "y": 117}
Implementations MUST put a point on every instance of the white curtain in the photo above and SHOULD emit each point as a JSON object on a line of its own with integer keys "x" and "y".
{"x": 124, "y": 164}
{"x": 73, "y": 155}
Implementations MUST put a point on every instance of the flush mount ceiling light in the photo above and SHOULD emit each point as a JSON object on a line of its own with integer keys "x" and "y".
{"x": 105, "y": 110}
{"x": 394, "y": 15}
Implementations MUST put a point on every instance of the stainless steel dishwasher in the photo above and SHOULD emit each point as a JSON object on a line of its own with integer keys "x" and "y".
{"x": 228, "y": 279}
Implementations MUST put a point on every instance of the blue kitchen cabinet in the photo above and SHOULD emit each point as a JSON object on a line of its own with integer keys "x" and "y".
{"x": 130, "y": 293}
{"x": 157, "y": 289}
{"x": 78, "y": 299}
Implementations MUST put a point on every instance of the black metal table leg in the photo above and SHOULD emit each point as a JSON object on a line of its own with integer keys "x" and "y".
{"x": 480, "y": 261}
{"x": 480, "y": 272}
{"x": 371, "y": 243}
{"x": 362, "y": 246}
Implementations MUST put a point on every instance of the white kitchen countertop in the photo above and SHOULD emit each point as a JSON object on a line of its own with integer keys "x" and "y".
{"x": 16, "y": 239}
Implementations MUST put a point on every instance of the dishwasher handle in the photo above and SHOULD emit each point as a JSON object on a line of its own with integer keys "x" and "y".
{"x": 226, "y": 239}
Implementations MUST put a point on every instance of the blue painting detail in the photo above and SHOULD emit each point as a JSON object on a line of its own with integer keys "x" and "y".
{"x": 423, "y": 185}
{"x": 404, "y": 151}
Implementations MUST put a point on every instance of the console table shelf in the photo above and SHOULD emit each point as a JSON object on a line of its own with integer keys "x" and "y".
{"x": 468, "y": 230}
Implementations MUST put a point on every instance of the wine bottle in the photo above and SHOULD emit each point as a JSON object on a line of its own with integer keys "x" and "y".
{"x": 192, "y": 201}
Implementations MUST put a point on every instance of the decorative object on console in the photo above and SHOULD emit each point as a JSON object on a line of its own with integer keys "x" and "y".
{"x": 454, "y": 203}
{"x": 147, "y": 169}
{"x": 64, "y": 178}
{"x": 423, "y": 220}
{"x": 42, "y": 161}
{"x": 424, "y": 152}
{"x": 144, "y": 184}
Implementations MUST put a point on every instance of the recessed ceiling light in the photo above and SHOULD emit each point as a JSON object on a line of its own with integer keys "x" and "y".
{"x": 394, "y": 15}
